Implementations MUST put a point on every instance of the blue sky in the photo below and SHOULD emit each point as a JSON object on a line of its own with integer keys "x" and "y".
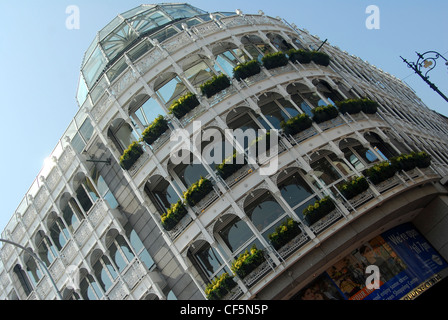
{"x": 40, "y": 61}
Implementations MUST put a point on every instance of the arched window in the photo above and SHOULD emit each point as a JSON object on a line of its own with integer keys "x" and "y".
{"x": 138, "y": 247}
{"x": 45, "y": 248}
{"x": 228, "y": 56}
{"x": 161, "y": 193}
{"x": 23, "y": 280}
{"x": 215, "y": 148}
{"x": 143, "y": 110}
{"x": 102, "y": 188}
{"x": 59, "y": 233}
{"x": 276, "y": 109}
{"x": 121, "y": 134}
{"x": 32, "y": 269}
{"x": 71, "y": 212}
{"x": 279, "y": 42}
{"x": 120, "y": 252}
{"x": 264, "y": 211}
{"x": 295, "y": 190}
{"x": 234, "y": 233}
{"x": 190, "y": 170}
{"x": 89, "y": 288}
{"x": 169, "y": 87}
{"x": 256, "y": 47}
{"x": 206, "y": 259}
{"x": 105, "y": 272}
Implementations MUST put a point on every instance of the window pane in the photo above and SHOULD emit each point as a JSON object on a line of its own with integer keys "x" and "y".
{"x": 236, "y": 234}
{"x": 264, "y": 211}
{"x": 110, "y": 199}
{"x": 209, "y": 260}
{"x": 294, "y": 190}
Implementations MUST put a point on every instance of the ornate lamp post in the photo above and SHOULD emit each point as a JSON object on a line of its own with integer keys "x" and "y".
{"x": 427, "y": 60}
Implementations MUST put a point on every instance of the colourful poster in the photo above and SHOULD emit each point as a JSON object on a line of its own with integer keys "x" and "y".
{"x": 402, "y": 256}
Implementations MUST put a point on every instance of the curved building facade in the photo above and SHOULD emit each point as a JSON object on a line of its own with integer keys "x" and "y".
{"x": 153, "y": 193}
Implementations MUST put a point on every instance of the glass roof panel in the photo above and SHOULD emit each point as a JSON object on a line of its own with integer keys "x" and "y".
{"x": 94, "y": 66}
{"x": 118, "y": 40}
{"x": 149, "y": 20}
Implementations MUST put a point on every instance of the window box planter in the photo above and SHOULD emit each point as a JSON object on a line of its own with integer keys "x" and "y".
{"x": 246, "y": 70}
{"x": 274, "y": 60}
{"x": 215, "y": 85}
{"x": 320, "y": 209}
{"x": 155, "y": 130}
{"x": 320, "y": 58}
{"x": 131, "y": 155}
{"x": 198, "y": 191}
{"x": 183, "y": 105}
{"x": 301, "y": 56}
{"x": 219, "y": 287}
{"x": 380, "y": 172}
{"x": 325, "y": 113}
{"x": 173, "y": 215}
{"x": 354, "y": 187}
{"x": 304, "y": 57}
{"x": 353, "y": 106}
{"x": 248, "y": 262}
{"x": 422, "y": 159}
{"x": 229, "y": 166}
{"x": 296, "y": 124}
{"x": 284, "y": 233}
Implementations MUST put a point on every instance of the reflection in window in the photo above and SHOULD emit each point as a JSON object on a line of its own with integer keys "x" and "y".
{"x": 324, "y": 171}
{"x": 171, "y": 90}
{"x": 90, "y": 289}
{"x": 23, "y": 279}
{"x": 235, "y": 234}
{"x": 59, "y": 233}
{"x": 190, "y": 173}
{"x": 294, "y": 190}
{"x": 138, "y": 247}
{"x": 264, "y": 211}
{"x": 105, "y": 272}
{"x": 209, "y": 260}
{"x": 120, "y": 252}
{"x": 103, "y": 188}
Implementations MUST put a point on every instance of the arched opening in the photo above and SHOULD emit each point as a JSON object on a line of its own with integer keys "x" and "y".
{"x": 264, "y": 211}
{"x": 234, "y": 235}
{"x": 206, "y": 260}
{"x": 121, "y": 134}
{"x": 295, "y": 189}
{"x": 276, "y": 109}
{"x": 256, "y": 47}
{"x": 59, "y": 233}
{"x": 161, "y": 193}
{"x": 143, "y": 110}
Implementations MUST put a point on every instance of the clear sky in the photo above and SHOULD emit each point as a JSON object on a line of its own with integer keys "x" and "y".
{"x": 40, "y": 61}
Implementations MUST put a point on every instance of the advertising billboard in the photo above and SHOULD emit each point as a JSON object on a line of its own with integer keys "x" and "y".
{"x": 402, "y": 258}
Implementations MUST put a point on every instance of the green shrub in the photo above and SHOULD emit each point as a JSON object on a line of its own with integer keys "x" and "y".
{"x": 219, "y": 287}
{"x": 215, "y": 85}
{"x": 301, "y": 56}
{"x": 274, "y": 60}
{"x": 353, "y": 106}
{"x": 325, "y": 113}
{"x": 320, "y": 209}
{"x": 352, "y": 188}
{"x": 155, "y": 130}
{"x": 284, "y": 233}
{"x": 320, "y": 58}
{"x": 173, "y": 215}
{"x": 422, "y": 159}
{"x": 183, "y": 105}
{"x": 381, "y": 172}
{"x": 296, "y": 124}
{"x": 247, "y": 262}
{"x": 246, "y": 70}
{"x": 197, "y": 191}
{"x": 229, "y": 166}
{"x": 131, "y": 155}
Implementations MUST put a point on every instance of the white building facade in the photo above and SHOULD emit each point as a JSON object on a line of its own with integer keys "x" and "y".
{"x": 97, "y": 226}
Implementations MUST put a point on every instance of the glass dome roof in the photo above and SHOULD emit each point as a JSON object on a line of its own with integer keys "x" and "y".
{"x": 123, "y": 32}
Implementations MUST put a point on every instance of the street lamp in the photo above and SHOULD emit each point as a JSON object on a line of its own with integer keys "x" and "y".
{"x": 31, "y": 253}
{"x": 427, "y": 60}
